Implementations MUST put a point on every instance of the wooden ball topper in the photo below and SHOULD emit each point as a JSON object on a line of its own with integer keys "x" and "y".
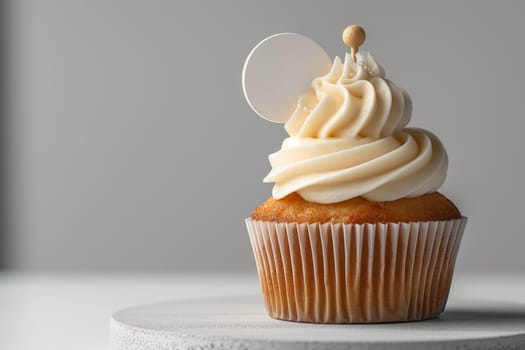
{"x": 354, "y": 36}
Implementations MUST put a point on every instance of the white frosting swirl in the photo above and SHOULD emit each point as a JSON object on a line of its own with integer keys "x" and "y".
{"x": 348, "y": 139}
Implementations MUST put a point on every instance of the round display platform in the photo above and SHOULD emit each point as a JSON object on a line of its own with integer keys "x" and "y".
{"x": 242, "y": 323}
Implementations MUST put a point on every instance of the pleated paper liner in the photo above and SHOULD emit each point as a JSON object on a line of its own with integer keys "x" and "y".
{"x": 355, "y": 273}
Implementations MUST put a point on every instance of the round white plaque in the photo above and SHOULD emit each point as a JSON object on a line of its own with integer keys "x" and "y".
{"x": 278, "y": 70}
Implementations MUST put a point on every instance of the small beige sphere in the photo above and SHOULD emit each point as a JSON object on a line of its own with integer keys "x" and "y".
{"x": 354, "y": 36}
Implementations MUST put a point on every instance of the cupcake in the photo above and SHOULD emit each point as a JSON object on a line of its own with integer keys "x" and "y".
{"x": 355, "y": 230}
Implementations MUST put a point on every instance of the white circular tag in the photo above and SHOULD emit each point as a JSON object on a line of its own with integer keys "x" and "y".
{"x": 278, "y": 70}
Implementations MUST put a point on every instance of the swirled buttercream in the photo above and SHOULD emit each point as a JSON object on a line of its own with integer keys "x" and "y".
{"x": 348, "y": 138}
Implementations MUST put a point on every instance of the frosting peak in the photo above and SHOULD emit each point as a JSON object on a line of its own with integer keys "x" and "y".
{"x": 348, "y": 139}
{"x": 353, "y": 99}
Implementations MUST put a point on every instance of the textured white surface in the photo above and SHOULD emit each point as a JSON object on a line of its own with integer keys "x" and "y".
{"x": 242, "y": 323}
{"x": 72, "y": 311}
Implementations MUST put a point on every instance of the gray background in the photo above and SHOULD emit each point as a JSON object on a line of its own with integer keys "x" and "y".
{"x": 131, "y": 145}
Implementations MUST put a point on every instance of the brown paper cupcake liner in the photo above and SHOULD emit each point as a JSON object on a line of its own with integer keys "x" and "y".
{"x": 355, "y": 273}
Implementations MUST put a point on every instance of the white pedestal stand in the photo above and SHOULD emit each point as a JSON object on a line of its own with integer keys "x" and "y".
{"x": 242, "y": 323}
